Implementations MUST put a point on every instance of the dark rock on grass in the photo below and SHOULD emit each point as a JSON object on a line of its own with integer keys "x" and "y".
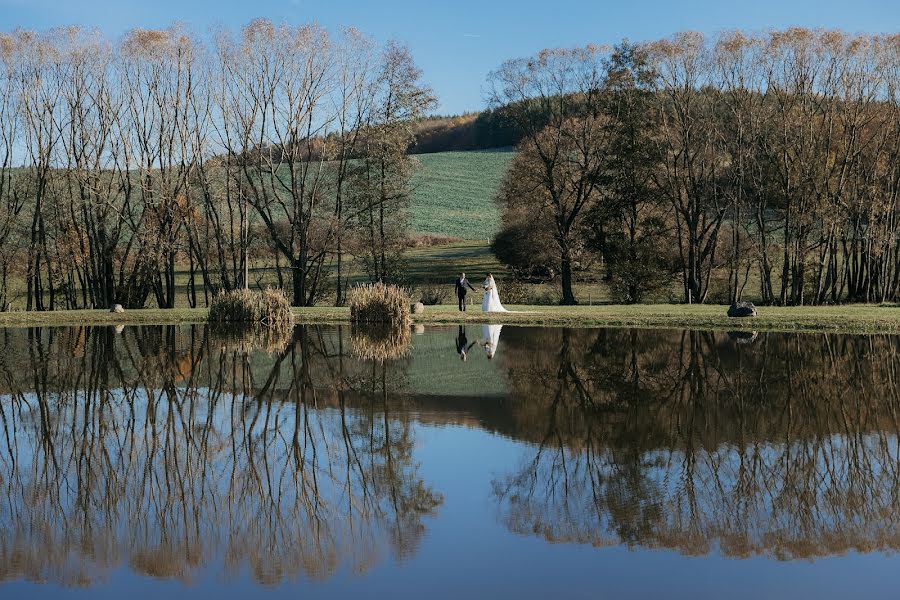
{"x": 116, "y": 308}
{"x": 742, "y": 309}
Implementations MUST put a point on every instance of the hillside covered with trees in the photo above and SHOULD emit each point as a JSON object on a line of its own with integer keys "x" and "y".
{"x": 769, "y": 158}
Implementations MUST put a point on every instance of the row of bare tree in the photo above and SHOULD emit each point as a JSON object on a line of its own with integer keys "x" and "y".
{"x": 277, "y": 145}
{"x": 747, "y": 158}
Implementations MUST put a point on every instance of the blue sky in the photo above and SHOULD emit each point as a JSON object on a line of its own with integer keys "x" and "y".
{"x": 458, "y": 42}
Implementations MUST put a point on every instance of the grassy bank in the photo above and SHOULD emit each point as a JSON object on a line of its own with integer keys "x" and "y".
{"x": 147, "y": 316}
{"x": 846, "y": 319}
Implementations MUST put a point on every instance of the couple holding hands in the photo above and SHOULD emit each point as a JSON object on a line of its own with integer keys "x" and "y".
{"x": 490, "y": 301}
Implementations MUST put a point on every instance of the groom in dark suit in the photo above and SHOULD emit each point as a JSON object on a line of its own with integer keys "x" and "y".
{"x": 461, "y": 284}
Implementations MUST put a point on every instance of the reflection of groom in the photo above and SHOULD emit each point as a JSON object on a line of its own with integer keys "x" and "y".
{"x": 461, "y": 284}
{"x": 462, "y": 343}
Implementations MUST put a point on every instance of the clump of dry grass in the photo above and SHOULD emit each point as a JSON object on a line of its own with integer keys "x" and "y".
{"x": 380, "y": 343}
{"x": 269, "y": 308}
{"x": 379, "y": 303}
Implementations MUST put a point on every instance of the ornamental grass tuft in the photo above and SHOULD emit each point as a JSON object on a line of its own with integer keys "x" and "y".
{"x": 379, "y": 303}
{"x": 268, "y": 308}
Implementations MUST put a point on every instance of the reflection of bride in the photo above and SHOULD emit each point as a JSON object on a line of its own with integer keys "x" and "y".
{"x": 490, "y": 337}
{"x": 491, "y": 301}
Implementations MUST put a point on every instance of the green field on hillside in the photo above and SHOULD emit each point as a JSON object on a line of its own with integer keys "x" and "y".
{"x": 453, "y": 193}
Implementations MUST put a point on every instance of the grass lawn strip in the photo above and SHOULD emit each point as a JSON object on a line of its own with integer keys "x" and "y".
{"x": 838, "y": 319}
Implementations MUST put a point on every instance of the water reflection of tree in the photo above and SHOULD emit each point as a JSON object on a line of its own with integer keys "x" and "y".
{"x": 787, "y": 447}
{"x": 166, "y": 448}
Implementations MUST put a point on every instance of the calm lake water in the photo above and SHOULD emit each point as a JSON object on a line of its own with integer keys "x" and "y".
{"x": 176, "y": 462}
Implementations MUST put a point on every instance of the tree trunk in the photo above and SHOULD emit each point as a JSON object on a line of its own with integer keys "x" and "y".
{"x": 568, "y": 296}
{"x": 298, "y": 280}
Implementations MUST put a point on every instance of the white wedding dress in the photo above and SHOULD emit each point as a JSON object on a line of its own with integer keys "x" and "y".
{"x": 491, "y": 300}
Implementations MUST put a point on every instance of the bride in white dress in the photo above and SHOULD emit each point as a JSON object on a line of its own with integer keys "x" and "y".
{"x": 491, "y": 300}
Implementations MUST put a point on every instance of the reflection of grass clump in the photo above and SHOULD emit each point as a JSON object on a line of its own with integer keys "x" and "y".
{"x": 380, "y": 343}
{"x": 166, "y": 562}
{"x": 243, "y": 337}
{"x": 379, "y": 303}
{"x": 268, "y": 307}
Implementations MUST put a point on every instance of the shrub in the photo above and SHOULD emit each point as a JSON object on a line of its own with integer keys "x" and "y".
{"x": 633, "y": 279}
{"x": 433, "y": 293}
{"x": 380, "y": 342}
{"x": 545, "y": 295}
{"x": 526, "y": 248}
{"x": 269, "y": 308}
{"x": 513, "y": 291}
{"x": 719, "y": 291}
{"x": 379, "y": 303}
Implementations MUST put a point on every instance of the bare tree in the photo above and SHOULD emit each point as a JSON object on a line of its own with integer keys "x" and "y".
{"x": 353, "y": 98}
{"x": 41, "y": 73}
{"x": 382, "y": 176}
{"x": 94, "y": 167}
{"x": 692, "y": 164}
{"x": 276, "y": 81}
{"x": 554, "y": 99}
{"x": 157, "y": 81}
{"x": 12, "y": 196}
{"x": 740, "y": 79}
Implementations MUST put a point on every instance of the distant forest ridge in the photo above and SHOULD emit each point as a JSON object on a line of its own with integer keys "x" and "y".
{"x": 485, "y": 130}
{"x": 489, "y": 129}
